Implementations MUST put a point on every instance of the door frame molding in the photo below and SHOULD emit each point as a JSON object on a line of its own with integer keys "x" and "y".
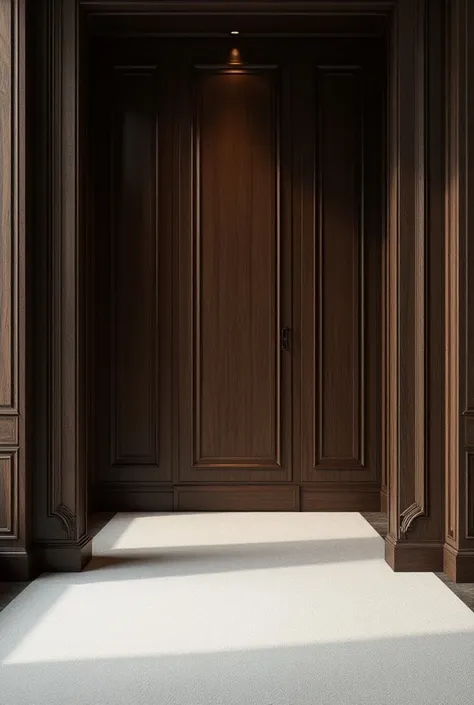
{"x": 414, "y": 337}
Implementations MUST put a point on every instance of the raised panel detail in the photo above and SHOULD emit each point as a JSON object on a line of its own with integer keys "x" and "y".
{"x": 134, "y": 279}
{"x": 340, "y": 215}
{"x": 8, "y": 494}
{"x": 339, "y": 273}
{"x": 469, "y": 491}
{"x": 8, "y": 430}
{"x": 236, "y": 270}
{"x": 8, "y": 235}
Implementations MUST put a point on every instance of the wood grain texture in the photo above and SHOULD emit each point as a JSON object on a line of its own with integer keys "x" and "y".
{"x": 135, "y": 323}
{"x": 340, "y": 499}
{"x": 250, "y": 498}
{"x": 230, "y": 144}
{"x": 58, "y": 395}
{"x": 135, "y": 497}
{"x": 459, "y": 282}
{"x": 14, "y": 525}
{"x": 9, "y": 499}
{"x": 9, "y": 430}
{"x": 8, "y": 295}
{"x": 339, "y": 312}
{"x": 341, "y": 225}
{"x": 407, "y": 313}
{"x": 410, "y": 556}
{"x": 237, "y": 276}
{"x": 415, "y": 421}
{"x": 234, "y": 382}
{"x": 67, "y": 473}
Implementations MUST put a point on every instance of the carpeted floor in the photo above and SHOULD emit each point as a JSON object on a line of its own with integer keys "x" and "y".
{"x": 237, "y": 609}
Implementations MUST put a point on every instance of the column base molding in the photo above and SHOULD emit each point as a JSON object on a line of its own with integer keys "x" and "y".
{"x": 404, "y": 556}
{"x": 458, "y": 564}
{"x": 64, "y": 556}
{"x": 17, "y": 566}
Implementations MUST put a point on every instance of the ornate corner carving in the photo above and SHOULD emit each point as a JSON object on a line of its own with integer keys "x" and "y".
{"x": 408, "y": 517}
{"x": 67, "y": 519}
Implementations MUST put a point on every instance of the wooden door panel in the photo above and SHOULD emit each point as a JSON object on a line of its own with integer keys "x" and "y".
{"x": 340, "y": 283}
{"x": 238, "y": 394}
{"x": 339, "y": 311}
{"x": 135, "y": 323}
{"x": 135, "y": 334}
{"x": 245, "y": 199}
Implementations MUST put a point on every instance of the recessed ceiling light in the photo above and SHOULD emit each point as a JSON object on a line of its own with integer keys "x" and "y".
{"x": 235, "y": 31}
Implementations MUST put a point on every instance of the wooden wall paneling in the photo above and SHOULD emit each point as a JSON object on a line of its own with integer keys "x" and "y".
{"x": 15, "y": 560}
{"x": 341, "y": 270}
{"x": 135, "y": 278}
{"x": 415, "y": 255}
{"x": 59, "y": 496}
{"x": 135, "y": 324}
{"x": 60, "y": 477}
{"x": 339, "y": 435}
{"x": 236, "y": 498}
{"x": 459, "y": 546}
{"x": 235, "y": 381}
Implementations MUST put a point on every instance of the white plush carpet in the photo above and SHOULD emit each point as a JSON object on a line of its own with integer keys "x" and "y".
{"x": 237, "y": 609}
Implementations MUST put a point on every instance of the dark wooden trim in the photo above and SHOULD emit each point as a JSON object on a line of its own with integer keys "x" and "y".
{"x": 459, "y": 404}
{"x": 247, "y": 7}
{"x": 415, "y": 341}
{"x": 243, "y": 498}
{"x": 16, "y": 565}
{"x": 406, "y": 235}
{"x": 60, "y": 441}
{"x": 135, "y": 497}
{"x": 407, "y": 556}
{"x": 63, "y": 556}
{"x": 384, "y": 501}
{"x": 458, "y": 564}
{"x": 415, "y": 422}
{"x": 354, "y": 499}
{"x": 14, "y": 527}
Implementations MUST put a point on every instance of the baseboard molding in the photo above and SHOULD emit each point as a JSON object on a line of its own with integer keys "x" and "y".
{"x": 63, "y": 556}
{"x": 404, "y": 556}
{"x": 149, "y": 497}
{"x": 237, "y": 498}
{"x": 458, "y": 564}
{"x": 128, "y": 497}
{"x": 17, "y": 566}
{"x": 316, "y": 499}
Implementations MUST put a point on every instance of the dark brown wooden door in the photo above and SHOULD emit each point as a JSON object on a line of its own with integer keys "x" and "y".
{"x": 339, "y": 191}
{"x": 239, "y": 324}
{"x": 234, "y": 272}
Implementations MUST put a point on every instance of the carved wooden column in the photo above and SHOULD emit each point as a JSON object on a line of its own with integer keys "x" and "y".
{"x": 459, "y": 547}
{"x": 415, "y": 334}
{"x": 60, "y": 483}
{"x": 14, "y": 537}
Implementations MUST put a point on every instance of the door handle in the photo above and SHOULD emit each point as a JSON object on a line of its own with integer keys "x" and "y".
{"x": 285, "y": 339}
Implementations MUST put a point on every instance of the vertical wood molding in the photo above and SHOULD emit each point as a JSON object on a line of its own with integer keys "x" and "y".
{"x": 417, "y": 457}
{"x": 13, "y": 517}
{"x": 407, "y": 316}
{"x": 61, "y": 513}
{"x": 455, "y": 161}
{"x": 459, "y": 524}
{"x": 135, "y": 315}
{"x": 340, "y": 157}
{"x": 415, "y": 287}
